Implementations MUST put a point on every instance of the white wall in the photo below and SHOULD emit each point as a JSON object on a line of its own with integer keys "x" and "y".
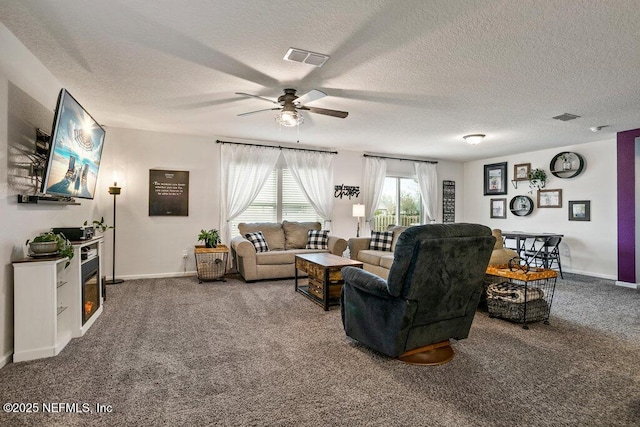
{"x": 152, "y": 246}
{"x": 28, "y": 93}
{"x": 587, "y": 247}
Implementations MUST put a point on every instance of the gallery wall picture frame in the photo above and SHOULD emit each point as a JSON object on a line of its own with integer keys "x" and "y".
{"x": 498, "y": 208}
{"x": 550, "y": 198}
{"x": 495, "y": 179}
{"x": 580, "y": 210}
{"x": 521, "y": 172}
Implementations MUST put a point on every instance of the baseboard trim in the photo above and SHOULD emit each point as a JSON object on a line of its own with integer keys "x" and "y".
{"x": 627, "y": 284}
{"x": 157, "y": 275}
{"x": 6, "y": 358}
{"x": 590, "y": 274}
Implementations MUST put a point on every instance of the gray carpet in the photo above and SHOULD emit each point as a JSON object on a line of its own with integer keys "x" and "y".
{"x": 175, "y": 352}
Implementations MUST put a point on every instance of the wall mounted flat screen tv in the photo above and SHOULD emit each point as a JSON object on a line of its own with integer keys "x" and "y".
{"x": 76, "y": 148}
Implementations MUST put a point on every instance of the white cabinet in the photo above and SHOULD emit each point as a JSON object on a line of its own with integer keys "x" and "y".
{"x": 48, "y": 301}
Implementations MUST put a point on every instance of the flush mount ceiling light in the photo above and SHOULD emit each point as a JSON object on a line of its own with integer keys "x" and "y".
{"x": 566, "y": 117}
{"x": 474, "y": 138}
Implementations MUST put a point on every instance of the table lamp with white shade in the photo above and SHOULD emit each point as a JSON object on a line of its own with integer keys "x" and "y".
{"x": 358, "y": 212}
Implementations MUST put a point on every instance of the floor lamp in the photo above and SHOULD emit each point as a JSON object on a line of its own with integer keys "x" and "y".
{"x": 115, "y": 190}
{"x": 358, "y": 212}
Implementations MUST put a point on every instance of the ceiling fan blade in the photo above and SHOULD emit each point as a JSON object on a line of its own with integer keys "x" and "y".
{"x": 257, "y": 111}
{"x": 312, "y": 95}
{"x": 332, "y": 113}
{"x": 256, "y": 96}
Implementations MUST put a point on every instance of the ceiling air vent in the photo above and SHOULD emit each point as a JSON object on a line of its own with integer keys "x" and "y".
{"x": 566, "y": 117}
{"x": 306, "y": 57}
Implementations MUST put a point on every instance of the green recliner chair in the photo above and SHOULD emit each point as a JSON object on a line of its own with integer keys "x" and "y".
{"x": 431, "y": 294}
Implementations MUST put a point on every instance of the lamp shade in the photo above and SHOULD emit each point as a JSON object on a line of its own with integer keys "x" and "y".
{"x": 358, "y": 210}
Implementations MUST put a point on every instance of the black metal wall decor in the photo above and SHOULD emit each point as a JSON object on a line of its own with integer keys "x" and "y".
{"x": 448, "y": 202}
{"x": 346, "y": 190}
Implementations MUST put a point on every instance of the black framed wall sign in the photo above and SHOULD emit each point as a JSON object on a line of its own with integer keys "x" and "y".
{"x": 168, "y": 193}
{"x": 495, "y": 179}
{"x": 448, "y": 202}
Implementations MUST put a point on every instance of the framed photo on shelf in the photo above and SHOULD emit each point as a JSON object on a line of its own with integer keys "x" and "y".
{"x": 580, "y": 210}
{"x": 495, "y": 179}
{"x": 521, "y": 172}
{"x": 498, "y": 208}
{"x": 550, "y": 198}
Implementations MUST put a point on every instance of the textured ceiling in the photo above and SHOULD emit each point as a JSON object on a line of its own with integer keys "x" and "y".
{"x": 415, "y": 76}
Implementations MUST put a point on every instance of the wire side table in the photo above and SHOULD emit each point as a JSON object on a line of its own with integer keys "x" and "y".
{"x": 211, "y": 263}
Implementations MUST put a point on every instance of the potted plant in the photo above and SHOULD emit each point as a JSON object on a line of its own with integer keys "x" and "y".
{"x": 537, "y": 179}
{"x": 50, "y": 243}
{"x": 566, "y": 158}
{"x": 99, "y": 225}
{"x": 211, "y": 238}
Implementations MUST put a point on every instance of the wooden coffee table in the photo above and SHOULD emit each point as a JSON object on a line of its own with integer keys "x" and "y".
{"x": 325, "y": 279}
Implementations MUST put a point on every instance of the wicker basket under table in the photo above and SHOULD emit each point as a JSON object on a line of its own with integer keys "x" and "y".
{"x": 535, "y": 289}
{"x": 211, "y": 263}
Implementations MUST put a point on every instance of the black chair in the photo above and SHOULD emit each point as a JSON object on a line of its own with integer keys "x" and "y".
{"x": 546, "y": 254}
{"x": 431, "y": 294}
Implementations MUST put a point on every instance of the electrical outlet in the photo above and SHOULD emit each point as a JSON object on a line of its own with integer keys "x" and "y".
{"x": 185, "y": 254}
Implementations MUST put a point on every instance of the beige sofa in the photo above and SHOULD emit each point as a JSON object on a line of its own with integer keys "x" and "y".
{"x": 285, "y": 241}
{"x": 375, "y": 261}
{"x": 379, "y": 262}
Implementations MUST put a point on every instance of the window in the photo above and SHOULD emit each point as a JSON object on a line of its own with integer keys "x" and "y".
{"x": 400, "y": 203}
{"x": 280, "y": 199}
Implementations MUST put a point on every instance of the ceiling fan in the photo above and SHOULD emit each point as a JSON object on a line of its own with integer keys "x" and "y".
{"x": 289, "y": 104}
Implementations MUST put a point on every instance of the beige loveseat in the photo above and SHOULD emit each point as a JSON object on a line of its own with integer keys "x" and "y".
{"x": 379, "y": 262}
{"x": 285, "y": 241}
{"x": 376, "y": 261}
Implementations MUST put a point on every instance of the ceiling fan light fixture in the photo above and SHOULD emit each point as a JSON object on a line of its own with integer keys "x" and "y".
{"x": 289, "y": 118}
{"x": 474, "y": 139}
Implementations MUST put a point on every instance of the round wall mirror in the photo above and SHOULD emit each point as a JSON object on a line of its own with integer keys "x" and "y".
{"x": 521, "y": 205}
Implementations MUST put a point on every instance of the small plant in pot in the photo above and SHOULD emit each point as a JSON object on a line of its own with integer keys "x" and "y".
{"x": 537, "y": 179}
{"x": 99, "y": 225}
{"x": 566, "y": 159}
{"x": 50, "y": 243}
{"x": 211, "y": 238}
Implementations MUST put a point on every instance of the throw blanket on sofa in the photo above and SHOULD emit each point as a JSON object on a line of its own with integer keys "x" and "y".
{"x": 512, "y": 292}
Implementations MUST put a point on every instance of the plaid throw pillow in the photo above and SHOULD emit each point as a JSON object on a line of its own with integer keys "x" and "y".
{"x": 258, "y": 241}
{"x": 318, "y": 239}
{"x": 381, "y": 240}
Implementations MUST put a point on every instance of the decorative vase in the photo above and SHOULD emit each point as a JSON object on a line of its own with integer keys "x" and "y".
{"x": 566, "y": 166}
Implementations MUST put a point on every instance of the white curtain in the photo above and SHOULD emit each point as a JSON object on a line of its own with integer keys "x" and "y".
{"x": 375, "y": 171}
{"x": 313, "y": 172}
{"x": 428, "y": 181}
{"x": 244, "y": 170}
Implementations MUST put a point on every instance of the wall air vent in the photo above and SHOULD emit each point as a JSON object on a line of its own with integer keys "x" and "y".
{"x": 566, "y": 117}
{"x": 306, "y": 57}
